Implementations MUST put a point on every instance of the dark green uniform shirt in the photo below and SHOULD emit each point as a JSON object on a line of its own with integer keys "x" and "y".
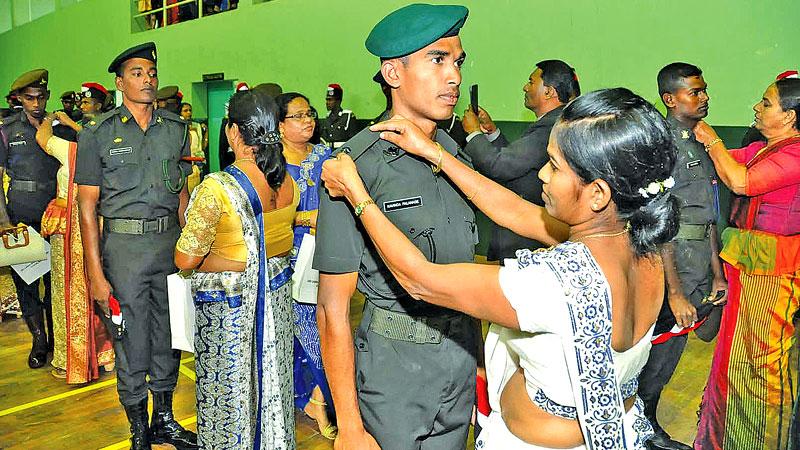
{"x": 24, "y": 160}
{"x": 338, "y": 126}
{"x": 427, "y": 208}
{"x": 129, "y": 164}
{"x": 695, "y": 178}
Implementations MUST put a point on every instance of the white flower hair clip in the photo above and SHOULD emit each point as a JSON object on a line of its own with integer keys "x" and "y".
{"x": 657, "y": 186}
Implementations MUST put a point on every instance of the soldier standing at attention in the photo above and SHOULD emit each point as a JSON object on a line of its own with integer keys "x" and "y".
{"x": 129, "y": 171}
{"x": 691, "y": 266}
{"x": 33, "y": 185}
{"x": 409, "y": 380}
{"x": 340, "y": 125}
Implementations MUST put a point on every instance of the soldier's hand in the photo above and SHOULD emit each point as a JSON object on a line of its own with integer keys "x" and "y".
{"x": 487, "y": 124}
{"x": 355, "y": 440}
{"x": 101, "y": 290}
{"x": 342, "y": 180}
{"x": 403, "y": 133}
{"x": 704, "y": 133}
{"x": 470, "y": 121}
{"x": 719, "y": 284}
{"x": 685, "y": 313}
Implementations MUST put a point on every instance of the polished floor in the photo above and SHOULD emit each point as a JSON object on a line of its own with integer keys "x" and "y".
{"x": 38, "y": 411}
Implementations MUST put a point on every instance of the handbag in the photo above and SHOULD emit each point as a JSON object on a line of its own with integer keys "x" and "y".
{"x": 181, "y": 312}
{"x": 305, "y": 280}
{"x": 21, "y": 244}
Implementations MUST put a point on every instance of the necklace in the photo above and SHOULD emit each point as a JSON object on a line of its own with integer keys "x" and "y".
{"x": 599, "y": 235}
{"x": 246, "y": 159}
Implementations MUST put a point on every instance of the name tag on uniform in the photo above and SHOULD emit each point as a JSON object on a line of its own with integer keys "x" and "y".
{"x": 694, "y": 163}
{"x": 120, "y": 151}
{"x": 17, "y": 143}
{"x": 403, "y": 203}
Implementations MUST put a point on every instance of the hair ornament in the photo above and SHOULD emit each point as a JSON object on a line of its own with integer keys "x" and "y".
{"x": 656, "y": 187}
{"x": 269, "y": 138}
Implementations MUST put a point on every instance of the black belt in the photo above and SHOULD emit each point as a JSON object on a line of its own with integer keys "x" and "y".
{"x": 139, "y": 226}
{"x": 400, "y": 326}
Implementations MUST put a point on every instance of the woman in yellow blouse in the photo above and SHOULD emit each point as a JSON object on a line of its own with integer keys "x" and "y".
{"x": 237, "y": 238}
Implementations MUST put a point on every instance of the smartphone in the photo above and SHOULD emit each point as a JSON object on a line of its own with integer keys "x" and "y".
{"x": 473, "y": 98}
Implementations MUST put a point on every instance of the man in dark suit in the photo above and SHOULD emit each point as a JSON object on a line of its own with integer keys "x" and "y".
{"x": 515, "y": 165}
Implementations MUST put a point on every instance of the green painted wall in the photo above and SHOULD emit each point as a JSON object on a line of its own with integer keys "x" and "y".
{"x": 305, "y": 44}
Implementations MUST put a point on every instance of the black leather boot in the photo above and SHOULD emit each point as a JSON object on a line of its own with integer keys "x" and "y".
{"x": 164, "y": 429}
{"x": 137, "y": 417}
{"x": 38, "y": 356}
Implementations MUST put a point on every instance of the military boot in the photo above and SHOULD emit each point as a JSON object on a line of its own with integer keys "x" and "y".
{"x": 164, "y": 429}
{"x": 38, "y": 355}
{"x": 137, "y": 417}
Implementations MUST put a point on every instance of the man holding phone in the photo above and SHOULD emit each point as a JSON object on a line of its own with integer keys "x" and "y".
{"x": 515, "y": 165}
{"x": 692, "y": 268}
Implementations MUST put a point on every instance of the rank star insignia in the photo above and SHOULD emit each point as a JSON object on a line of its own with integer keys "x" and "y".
{"x": 92, "y": 122}
{"x": 685, "y": 134}
{"x": 43, "y": 81}
{"x": 124, "y": 119}
{"x": 117, "y": 140}
{"x": 159, "y": 120}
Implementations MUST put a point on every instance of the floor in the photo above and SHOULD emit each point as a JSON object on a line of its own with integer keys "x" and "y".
{"x": 38, "y": 411}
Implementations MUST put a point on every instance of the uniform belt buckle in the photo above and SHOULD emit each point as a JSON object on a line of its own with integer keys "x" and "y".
{"x": 162, "y": 223}
{"x": 134, "y": 226}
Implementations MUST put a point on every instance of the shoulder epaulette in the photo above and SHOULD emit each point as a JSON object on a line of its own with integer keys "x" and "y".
{"x": 358, "y": 144}
{"x": 9, "y": 120}
{"x": 168, "y": 115}
{"x": 94, "y": 123}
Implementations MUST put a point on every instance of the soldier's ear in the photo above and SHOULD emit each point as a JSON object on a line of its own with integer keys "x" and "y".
{"x": 668, "y": 99}
{"x": 118, "y": 83}
{"x": 390, "y": 69}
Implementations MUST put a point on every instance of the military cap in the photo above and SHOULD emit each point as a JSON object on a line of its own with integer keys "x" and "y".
{"x": 272, "y": 90}
{"x": 67, "y": 94}
{"x": 413, "y": 27}
{"x": 167, "y": 92}
{"x": 35, "y": 78}
{"x": 94, "y": 90}
{"x": 145, "y": 51}
{"x": 334, "y": 90}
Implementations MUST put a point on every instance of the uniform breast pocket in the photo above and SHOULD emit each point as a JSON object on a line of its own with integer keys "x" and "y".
{"x": 121, "y": 170}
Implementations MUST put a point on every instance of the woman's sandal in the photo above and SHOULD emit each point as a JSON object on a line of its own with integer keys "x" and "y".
{"x": 330, "y": 431}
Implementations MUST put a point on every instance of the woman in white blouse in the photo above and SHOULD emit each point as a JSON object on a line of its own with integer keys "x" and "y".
{"x": 571, "y": 324}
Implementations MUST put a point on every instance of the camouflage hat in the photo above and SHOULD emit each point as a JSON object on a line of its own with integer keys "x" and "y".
{"x": 35, "y": 78}
{"x": 413, "y": 27}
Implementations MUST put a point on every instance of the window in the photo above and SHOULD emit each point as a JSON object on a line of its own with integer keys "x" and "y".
{"x": 150, "y": 14}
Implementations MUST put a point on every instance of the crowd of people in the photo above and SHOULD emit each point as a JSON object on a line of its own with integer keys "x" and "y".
{"x": 604, "y": 223}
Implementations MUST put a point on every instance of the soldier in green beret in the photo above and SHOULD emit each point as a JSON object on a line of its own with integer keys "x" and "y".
{"x": 33, "y": 185}
{"x": 407, "y": 380}
{"x": 130, "y": 171}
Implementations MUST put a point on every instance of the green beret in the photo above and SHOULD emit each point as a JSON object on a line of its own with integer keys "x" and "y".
{"x": 35, "y": 78}
{"x": 146, "y": 51}
{"x": 68, "y": 95}
{"x": 413, "y": 27}
{"x": 167, "y": 92}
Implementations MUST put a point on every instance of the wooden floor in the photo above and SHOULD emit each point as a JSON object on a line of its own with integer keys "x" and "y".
{"x": 38, "y": 411}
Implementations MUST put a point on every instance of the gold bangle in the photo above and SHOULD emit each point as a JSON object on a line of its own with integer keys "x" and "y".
{"x": 438, "y": 167}
{"x": 360, "y": 206}
{"x": 712, "y": 143}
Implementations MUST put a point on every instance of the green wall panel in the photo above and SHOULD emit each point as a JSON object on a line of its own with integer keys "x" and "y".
{"x": 306, "y": 44}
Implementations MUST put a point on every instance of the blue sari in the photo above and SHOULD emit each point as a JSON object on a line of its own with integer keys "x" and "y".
{"x": 243, "y": 340}
{"x": 308, "y": 371}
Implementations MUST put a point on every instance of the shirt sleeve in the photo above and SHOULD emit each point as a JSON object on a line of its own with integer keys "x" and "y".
{"x": 88, "y": 166}
{"x": 202, "y": 217}
{"x": 3, "y": 148}
{"x": 776, "y": 171}
{"x": 340, "y": 242}
{"x": 536, "y": 296}
{"x": 58, "y": 148}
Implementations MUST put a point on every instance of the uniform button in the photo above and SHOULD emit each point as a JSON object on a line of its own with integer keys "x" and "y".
{"x": 151, "y": 186}
{"x": 361, "y": 346}
{"x": 412, "y": 230}
{"x": 411, "y": 336}
{"x": 389, "y": 319}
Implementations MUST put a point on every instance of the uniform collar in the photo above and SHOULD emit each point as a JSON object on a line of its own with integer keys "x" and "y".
{"x": 681, "y": 131}
{"x": 126, "y": 116}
